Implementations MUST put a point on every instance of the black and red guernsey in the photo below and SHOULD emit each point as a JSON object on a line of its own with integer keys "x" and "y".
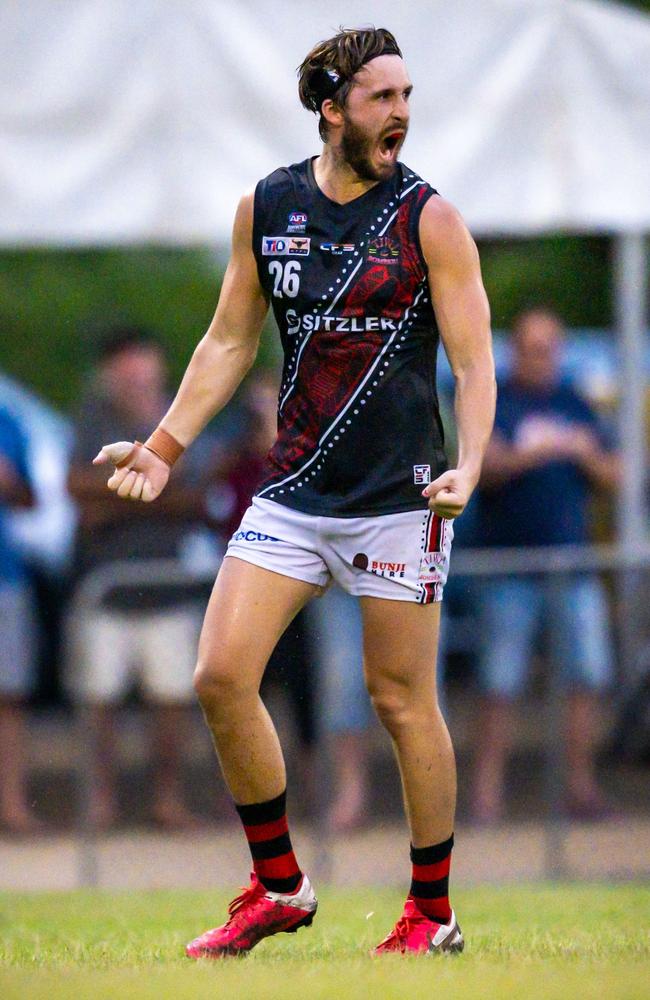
{"x": 359, "y": 430}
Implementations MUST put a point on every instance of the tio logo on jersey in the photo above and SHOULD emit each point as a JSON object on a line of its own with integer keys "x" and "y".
{"x": 285, "y": 246}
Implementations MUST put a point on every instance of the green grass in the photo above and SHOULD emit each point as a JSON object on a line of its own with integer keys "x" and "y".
{"x": 525, "y": 941}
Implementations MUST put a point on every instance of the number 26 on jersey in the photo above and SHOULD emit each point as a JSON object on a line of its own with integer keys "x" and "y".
{"x": 286, "y": 278}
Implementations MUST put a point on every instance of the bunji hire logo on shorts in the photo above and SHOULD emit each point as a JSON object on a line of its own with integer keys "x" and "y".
{"x": 338, "y": 248}
{"x": 421, "y": 475}
{"x": 285, "y": 246}
{"x": 392, "y": 570}
{"x": 297, "y": 222}
{"x": 383, "y": 250}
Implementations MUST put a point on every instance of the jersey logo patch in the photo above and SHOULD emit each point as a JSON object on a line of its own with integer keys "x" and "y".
{"x": 338, "y": 248}
{"x": 297, "y": 222}
{"x": 285, "y": 246}
{"x": 383, "y": 250}
{"x": 421, "y": 474}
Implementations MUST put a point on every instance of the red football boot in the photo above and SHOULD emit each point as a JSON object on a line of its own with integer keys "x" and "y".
{"x": 415, "y": 932}
{"x": 254, "y": 915}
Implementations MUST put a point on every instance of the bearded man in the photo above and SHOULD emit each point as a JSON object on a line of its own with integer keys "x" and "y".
{"x": 365, "y": 267}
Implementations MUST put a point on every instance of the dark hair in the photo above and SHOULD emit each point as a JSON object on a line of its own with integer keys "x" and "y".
{"x": 327, "y": 71}
{"x": 122, "y": 338}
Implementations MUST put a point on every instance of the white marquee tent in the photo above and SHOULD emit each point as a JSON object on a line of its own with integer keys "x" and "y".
{"x": 123, "y": 122}
{"x": 128, "y": 122}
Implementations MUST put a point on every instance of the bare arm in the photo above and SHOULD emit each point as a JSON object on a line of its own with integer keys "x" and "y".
{"x": 228, "y": 349}
{"x": 219, "y": 363}
{"x": 463, "y": 316}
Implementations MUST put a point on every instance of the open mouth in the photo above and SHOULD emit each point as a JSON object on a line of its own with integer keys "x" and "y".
{"x": 390, "y": 144}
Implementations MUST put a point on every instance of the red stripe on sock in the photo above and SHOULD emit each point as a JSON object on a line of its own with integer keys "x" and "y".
{"x": 431, "y": 873}
{"x": 266, "y": 831}
{"x": 283, "y": 866}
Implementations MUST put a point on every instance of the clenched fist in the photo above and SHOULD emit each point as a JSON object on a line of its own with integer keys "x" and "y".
{"x": 449, "y": 494}
{"x": 143, "y": 477}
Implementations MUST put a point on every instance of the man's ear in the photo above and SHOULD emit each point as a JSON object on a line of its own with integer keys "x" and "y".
{"x": 331, "y": 112}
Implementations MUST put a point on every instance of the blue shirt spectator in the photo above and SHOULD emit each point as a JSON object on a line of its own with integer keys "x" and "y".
{"x": 547, "y": 458}
{"x": 546, "y": 504}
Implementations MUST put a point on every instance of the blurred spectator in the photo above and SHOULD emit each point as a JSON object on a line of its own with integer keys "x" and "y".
{"x": 16, "y": 634}
{"x": 151, "y": 632}
{"x": 43, "y": 533}
{"x": 547, "y": 456}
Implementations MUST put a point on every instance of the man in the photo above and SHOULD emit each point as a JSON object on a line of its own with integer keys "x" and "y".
{"x": 149, "y": 633}
{"x": 356, "y": 253}
{"x": 545, "y": 460}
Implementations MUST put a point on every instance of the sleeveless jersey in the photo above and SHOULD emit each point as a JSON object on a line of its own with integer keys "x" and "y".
{"x": 359, "y": 429}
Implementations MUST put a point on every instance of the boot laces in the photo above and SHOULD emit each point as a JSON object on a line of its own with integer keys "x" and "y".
{"x": 401, "y": 930}
{"x": 249, "y": 894}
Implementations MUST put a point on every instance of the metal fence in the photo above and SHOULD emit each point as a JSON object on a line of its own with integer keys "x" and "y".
{"x": 553, "y": 564}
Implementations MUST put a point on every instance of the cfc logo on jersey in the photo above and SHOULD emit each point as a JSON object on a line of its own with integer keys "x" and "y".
{"x": 285, "y": 246}
{"x": 338, "y": 248}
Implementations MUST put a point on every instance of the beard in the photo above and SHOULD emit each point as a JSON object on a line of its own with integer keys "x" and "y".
{"x": 357, "y": 146}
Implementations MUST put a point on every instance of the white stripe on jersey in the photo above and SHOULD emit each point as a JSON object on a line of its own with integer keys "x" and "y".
{"x": 319, "y": 450}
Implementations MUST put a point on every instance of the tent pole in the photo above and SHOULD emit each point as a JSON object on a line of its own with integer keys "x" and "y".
{"x": 631, "y": 291}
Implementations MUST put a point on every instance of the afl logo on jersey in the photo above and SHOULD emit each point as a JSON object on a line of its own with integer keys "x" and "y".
{"x": 297, "y": 222}
{"x": 383, "y": 250}
{"x": 285, "y": 246}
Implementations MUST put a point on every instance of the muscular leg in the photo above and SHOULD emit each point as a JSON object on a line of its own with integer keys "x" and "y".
{"x": 249, "y": 609}
{"x": 400, "y": 650}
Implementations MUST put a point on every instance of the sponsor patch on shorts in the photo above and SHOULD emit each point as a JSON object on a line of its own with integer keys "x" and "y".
{"x": 380, "y": 567}
{"x": 432, "y": 566}
{"x": 253, "y": 536}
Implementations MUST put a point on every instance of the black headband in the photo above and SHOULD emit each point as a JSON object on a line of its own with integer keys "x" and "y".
{"x": 323, "y": 83}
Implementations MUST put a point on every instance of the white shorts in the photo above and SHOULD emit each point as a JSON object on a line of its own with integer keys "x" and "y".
{"x": 113, "y": 649}
{"x": 401, "y": 557}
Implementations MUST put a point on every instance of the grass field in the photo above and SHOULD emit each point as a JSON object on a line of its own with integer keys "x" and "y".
{"x": 525, "y": 941}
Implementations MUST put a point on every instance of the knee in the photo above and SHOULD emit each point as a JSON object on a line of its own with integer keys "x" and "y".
{"x": 216, "y": 684}
{"x": 394, "y": 708}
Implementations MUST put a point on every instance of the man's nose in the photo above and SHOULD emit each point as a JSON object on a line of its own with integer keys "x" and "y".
{"x": 401, "y": 110}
